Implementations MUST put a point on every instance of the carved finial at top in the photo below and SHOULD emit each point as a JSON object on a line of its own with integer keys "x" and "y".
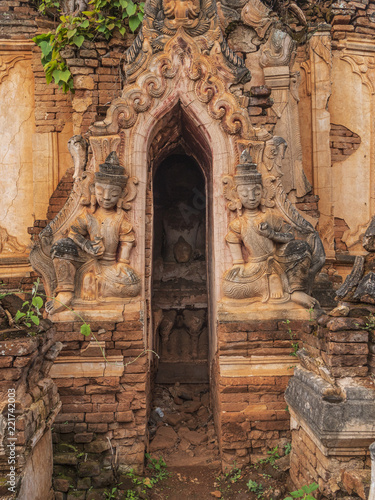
{"x": 198, "y": 19}
{"x": 246, "y": 157}
{"x": 112, "y": 158}
{"x": 111, "y": 172}
{"x": 246, "y": 170}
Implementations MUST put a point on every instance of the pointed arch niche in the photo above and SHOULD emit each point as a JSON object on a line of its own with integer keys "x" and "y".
{"x": 180, "y": 178}
{"x": 177, "y": 125}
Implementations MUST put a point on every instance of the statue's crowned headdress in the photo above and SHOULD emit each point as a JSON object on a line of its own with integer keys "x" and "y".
{"x": 111, "y": 172}
{"x": 246, "y": 171}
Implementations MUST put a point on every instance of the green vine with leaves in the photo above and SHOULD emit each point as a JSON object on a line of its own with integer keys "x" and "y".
{"x": 102, "y": 20}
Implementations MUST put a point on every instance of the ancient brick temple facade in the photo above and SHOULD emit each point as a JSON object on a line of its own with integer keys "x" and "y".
{"x": 215, "y": 191}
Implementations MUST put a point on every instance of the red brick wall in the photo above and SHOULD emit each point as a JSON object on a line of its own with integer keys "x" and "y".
{"x": 343, "y": 142}
{"x": 342, "y": 344}
{"x": 60, "y": 195}
{"x": 96, "y": 409}
{"x": 17, "y": 19}
{"x": 252, "y": 409}
{"x": 308, "y": 464}
{"x": 29, "y": 395}
{"x": 353, "y": 17}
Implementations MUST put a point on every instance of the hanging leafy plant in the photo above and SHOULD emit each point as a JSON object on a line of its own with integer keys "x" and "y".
{"x": 103, "y": 18}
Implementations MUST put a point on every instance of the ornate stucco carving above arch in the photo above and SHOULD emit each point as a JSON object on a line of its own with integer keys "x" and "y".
{"x": 181, "y": 65}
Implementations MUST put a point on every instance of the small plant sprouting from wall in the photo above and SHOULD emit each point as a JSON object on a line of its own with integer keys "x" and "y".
{"x": 30, "y": 314}
{"x": 101, "y": 19}
{"x": 295, "y": 345}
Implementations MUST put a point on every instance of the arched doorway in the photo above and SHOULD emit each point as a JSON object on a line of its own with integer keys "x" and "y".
{"x": 179, "y": 282}
{"x": 181, "y": 301}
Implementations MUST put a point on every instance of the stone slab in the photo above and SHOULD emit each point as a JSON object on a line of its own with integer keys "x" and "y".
{"x": 231, "y": 310}
{"x": 337, "y": 421}
{"x": 71, "y": 366}
{"x": 15, "y": 267}
{"x": 257, "y": 366}
{"x": 95, "y": 313}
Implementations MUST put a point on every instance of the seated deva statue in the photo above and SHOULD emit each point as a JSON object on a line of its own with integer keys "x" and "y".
{"x": 276, "y": 267}
{"x": 92, "y": 262}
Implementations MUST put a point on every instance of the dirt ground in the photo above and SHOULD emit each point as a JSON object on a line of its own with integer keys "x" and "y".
{"x": 184, "y": 439}
{"x": 203, "y": 483}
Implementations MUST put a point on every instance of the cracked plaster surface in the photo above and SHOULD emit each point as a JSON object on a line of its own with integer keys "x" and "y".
{"x": 16, "y": 128}
{"x": 352, "y": 177}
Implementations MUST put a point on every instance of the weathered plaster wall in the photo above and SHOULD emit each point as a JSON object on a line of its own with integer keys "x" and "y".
{"x": 17, "y": 125}
{"x": 352, "y": 179}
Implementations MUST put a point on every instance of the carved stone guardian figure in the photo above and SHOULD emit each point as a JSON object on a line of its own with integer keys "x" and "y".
{"x": 90, "y": 262}
{"x": 277, "y": 59}
{"x": 272, "y": 261}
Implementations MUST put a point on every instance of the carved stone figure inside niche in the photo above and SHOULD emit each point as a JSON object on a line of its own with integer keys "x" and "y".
{"x": 92, "y": 262}
{"x": 183, "y": 335}
{"x": 269, "y": 263}
{"x": 179, "y": 242}
{"x": 194, "y": 321}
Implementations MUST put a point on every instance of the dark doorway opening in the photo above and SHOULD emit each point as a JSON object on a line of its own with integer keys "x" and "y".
{"x": 179, "y": 299}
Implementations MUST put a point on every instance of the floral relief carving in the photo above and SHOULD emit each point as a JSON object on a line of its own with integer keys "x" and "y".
{"x": 9, "y": 245}
{"x": 159, "y": 57}
{"x": 201, "y": 70}
{"x": 7, "y": 62}
{"x": 361, "y": 65}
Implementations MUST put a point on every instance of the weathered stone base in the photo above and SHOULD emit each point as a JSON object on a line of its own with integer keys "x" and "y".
{"x": 330, "y": 434}
{"x": 254, "y": 366}
{"x": 312, "y": 462}
{"x": 29, "y": 403}
{"x": 37, "y": 474}
{"x": 101, "y": 430}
